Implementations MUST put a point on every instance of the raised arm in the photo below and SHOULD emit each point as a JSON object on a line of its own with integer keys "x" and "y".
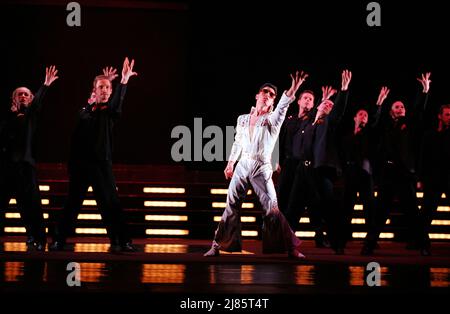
{"x": 119, "y": 94}
{"x": 384, "y": 92}
{"x": 277, "y": 116}
{"x": 340, "y": 103}
{"x": 50, "y": 76}
{"x": 421, "y": 100}
{"x": 127, "y": 70}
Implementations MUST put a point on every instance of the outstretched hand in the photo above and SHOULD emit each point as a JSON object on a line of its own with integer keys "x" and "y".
{"x": 111, "y": 73}
{"x": 327, "y": 92}
{"x": 127, "y": 70}
{"x": 425, "y": 81}
{"x": 384, "y": 92}
{"x": 346, "y": 78}
{"x": 50, "y": 75}
{"x": 297, "y": 81}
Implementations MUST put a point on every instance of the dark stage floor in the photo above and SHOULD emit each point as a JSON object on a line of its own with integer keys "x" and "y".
{"x": 168, "y": 271}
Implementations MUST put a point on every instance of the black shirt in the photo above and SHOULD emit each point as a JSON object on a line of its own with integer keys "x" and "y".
{"x": 92, "y": 139}
{"x": 20, "y": 130}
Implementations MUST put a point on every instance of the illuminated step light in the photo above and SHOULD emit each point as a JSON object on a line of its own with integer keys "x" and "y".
{"x": 223, "y": 204}
{"x": 177, "y": 232}
{"x": 15, "y": 230}
{"x": 15, "y": 247}
{"x": 249, "y": 233}
{"x": 225, "y": 191}
{"x": 388, "y": 222}
{"x": 164, "y": 190}
{"x": 358, "y": 221}
{"x": 358, "y": 207}
{"x": 44, "y": 188}
{"x": 443, "y": 209}
{"x": 89, "y": 203}
{"x": 164, "y": 204}
{"x": 91, "y": 247}
{"x": 90, "y": 189}
{"x": 90, "y": 230}
{"x": 437, "y": 222}
{"x": 166, "y": 248}
{"x": 305, "y": 234}
{"x": 386, "y": 235}
{"x": 304, "y": 220}
{"x": 89, "y": 217}
{"x": 17, "y": 215}
{"x": 440, "y": 236}
{"x": 166, "y": 218}
{"x": 12, "y": 215}
{"x": 443, "y": 195}
{"x": 375, "y": 194}
{"x": 44, "y": 201}
{"x": 419, "y": 194}
{"x": 359, "y": 235}
{"x": 243, "y": 218}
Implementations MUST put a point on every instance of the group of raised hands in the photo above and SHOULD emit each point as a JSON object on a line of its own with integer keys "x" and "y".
{"x": 110, "y": 72}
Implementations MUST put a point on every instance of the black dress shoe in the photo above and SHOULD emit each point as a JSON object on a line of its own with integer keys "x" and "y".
{"x": 56, "y": 246}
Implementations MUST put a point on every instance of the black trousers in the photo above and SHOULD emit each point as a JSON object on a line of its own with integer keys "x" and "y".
{"x": 99, "y": 175}
{"x": 19, "y": 179}
{"x": 356, "y": 179}
{"x": 297, "y": 189}
{"x": 395, "y": 181}
{"x": 433, "y": 188}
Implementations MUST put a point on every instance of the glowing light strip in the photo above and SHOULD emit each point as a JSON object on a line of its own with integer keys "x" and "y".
{"x": 15, "y": 230}
{"x": 443, "y": 209}
{"x": 304, "y": 220}
{"x": 249, "y": 233}
{"x": 438, "y": 222}
{"x": 440, "y": 236}
{"x": 358, "y": 221}
{"x": 90, "y": 230}
{"x": 89, "y": 216}
{"x": 177, "y": 232}
{"x": 164, "y": 204}
{"x": 44, "y": 188}
{"x": 164, "y": 190}
{"x": 89, "y": 203}
{"x": 305, "y": 234}
{"x": 166, "y": 218}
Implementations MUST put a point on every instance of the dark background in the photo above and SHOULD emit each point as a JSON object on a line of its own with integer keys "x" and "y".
{"x": 207, "y": 60}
